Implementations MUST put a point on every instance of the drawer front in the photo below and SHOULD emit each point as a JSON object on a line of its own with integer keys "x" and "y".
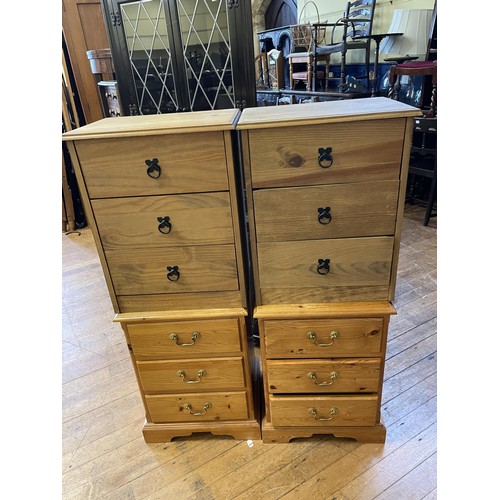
{"x": 316, "y": 375}
{"x": 180, "y": 301}
{"x": 199, "y": 268}
{"x": 184, "y": 339}
{"x": 332, "y": 211}
{"x": 205, "y": 407}
{"x": 191, "y": 375}
{"x": 324, "y": 270}
{"x": 324, "y": 154}
{"x": 188, "y": 163}
{"x": 323, "y": 411}
{"x": 154, "y": 221}
{"x": 323, "y": 338}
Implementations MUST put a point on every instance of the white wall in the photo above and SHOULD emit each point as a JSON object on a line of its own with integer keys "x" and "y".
{"x": 331, "y": 10}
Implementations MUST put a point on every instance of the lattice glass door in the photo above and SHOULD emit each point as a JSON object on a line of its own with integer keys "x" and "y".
{"x": 206, "y": 48}
{"x": 150, "y": 56}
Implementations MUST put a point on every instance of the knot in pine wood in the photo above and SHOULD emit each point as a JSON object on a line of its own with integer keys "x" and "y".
{"x": 295, "y": 160}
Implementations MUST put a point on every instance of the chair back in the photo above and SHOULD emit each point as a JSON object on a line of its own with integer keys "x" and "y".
{"x": 302, "y": 33}
{"x": 359, "y": 15}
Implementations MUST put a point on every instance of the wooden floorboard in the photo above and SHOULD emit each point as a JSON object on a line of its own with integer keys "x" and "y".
{"x": 104, "y": 455}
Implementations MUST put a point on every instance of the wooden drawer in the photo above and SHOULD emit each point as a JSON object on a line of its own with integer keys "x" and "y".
{"x": 191, "y": 375}
{"x": 358, "y": 269}
{"x": 316, "y": 375}
{"x": 205, "y": 407}
{"x": 331, "y": 211}
{"x": 190, "y": 163}
{"x": 184, "y": 339}
{"x": 323, "y": 410}
{"x": 180, "y": 301}
{"x": 290, "y": 156}
{"x": 201, "y": 269}
{"x": 323, "y": 338}
{"x": 194, "y": 219}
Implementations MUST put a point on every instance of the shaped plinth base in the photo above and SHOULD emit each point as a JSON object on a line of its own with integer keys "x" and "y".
{"x": 369, "y": 434}
{"x": 161, "y": 433}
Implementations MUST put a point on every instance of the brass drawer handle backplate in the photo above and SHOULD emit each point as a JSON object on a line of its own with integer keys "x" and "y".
{"x": 206, "y": 406}
{"x": 314, "y": 412}
{"x": 313, "y": 377}
{"x": 194, "y": 337}
{"x": 333, "y": 335}
{"x": 182, "y": 374}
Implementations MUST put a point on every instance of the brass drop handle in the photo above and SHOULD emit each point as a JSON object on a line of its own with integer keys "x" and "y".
{"x": 194, "y": 337}
{"x": 153, "y": 170}
{"x": 206, "y": 406}
{"x": 324, "y": 215}
{"x": 314, "y": 378}
{"x": 333, "y": 335}
{"x": 173, "y": 273}
{"x": 325, "y": 158}
{"x": 164, "y": 226}
{"x": 182, "y": 374}
{"x": 323, "y": 266}
{"x": 314, "y": 412}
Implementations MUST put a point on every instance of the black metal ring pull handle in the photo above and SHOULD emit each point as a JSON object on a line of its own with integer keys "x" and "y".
{"x": 323, "y": 266}
{"x": 164, "y": 226}
{"x": 325, "y": 158}
{"x": 324, "y": 215}
{"x": 173, "y": 273}
{"x": 153, "y": 170}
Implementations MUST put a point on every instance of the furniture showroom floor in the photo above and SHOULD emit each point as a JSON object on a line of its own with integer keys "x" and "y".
{"x": 104, "y": 453}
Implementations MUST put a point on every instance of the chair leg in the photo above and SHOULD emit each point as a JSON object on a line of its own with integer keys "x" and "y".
{"x": 342, "y": 72}
{"x": 367, "y": 68}
{"x": 431, "y": 199}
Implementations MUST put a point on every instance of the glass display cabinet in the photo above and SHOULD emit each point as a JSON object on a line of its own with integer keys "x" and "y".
{"x": 181, "y": 55}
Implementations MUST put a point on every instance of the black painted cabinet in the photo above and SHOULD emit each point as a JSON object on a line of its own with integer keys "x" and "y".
{"x": 181, "y": 55}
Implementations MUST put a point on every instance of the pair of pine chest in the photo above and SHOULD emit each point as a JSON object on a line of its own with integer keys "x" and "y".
{"x": 288, "y": 215}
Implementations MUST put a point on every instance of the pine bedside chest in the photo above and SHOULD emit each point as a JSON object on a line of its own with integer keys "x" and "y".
{"x": 161, "y": 198}
{"x": 325, "y": 189}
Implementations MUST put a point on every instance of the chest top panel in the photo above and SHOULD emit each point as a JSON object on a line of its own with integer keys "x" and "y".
{"x": 371, "y": 108}
{"x": 147, "y": 125}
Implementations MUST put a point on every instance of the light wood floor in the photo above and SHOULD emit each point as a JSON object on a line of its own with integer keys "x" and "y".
{"x": 105, "y": 456}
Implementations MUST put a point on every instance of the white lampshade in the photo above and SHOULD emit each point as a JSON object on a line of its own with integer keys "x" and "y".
{"x": 415, "y": 24}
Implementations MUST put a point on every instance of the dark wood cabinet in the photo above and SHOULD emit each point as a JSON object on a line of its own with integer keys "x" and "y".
{"x": 181, "y": 55}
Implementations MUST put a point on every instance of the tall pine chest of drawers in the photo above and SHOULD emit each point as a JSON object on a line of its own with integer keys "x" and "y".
{"x": 160, "y": 194}
{"x": 325, "y": 186}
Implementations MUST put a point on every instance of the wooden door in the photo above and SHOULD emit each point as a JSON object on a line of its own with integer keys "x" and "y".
{"x": 281, "y": 13}
{"x": 84, "y": 29}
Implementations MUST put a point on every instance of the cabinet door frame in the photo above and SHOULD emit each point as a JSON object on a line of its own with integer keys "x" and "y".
{"x": 240, "y": 40}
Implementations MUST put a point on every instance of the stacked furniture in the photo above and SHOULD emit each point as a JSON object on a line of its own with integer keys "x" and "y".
{"x": 161, "y": 198}
{"x": 319, "y": 205}
{"x": 325, "y": 189}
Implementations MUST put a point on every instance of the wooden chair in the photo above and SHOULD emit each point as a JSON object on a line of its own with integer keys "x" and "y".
{"x": 305, "y": 74}
{"x": 412, "y": 69}
{"x": 300, "y": 59}
{"x": 423, "y": 165}
{"x": 262, "y": 80}
{"x": 357, "y": 21}
{"x": 275, "y": 69}
{"x": 423, "y": 158}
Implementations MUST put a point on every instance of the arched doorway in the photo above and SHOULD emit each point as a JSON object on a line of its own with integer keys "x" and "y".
{"x": 281, "y": 13}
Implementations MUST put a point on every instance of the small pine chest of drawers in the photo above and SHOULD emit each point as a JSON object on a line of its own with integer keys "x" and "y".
{"x": 325, "y": 189}
{"x": 160, "y": 195}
